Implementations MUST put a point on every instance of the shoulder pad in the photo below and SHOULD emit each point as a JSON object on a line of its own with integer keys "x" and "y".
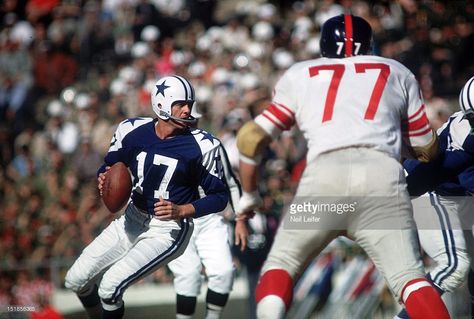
{"x": 205, "y": 140}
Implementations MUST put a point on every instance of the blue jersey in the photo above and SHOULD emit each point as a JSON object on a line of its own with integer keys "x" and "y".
{"x": 450, "y": 174}
{"x": 172, "y": 168}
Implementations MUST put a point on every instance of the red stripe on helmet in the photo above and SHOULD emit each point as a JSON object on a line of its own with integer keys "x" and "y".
{"x": 349, "y": 31}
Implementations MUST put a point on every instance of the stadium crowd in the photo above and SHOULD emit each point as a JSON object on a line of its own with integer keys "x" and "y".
{"x": 71, "y": 70}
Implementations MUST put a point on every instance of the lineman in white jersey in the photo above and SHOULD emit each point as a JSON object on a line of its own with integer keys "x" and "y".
{"x": 209, "y": 246}
{"x": 355, "y": 111}
{"x": 440, "y": 230}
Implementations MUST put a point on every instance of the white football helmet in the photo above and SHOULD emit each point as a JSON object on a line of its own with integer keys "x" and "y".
{"x": 195, "y": 112}
{"x": 169, "y": 90}
{"x": 466, "y": 102}
{"x": 466, "y": 97}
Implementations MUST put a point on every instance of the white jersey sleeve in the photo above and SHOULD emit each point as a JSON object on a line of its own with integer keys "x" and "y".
{"x": 416, "y": 126}
{"x": 364, "y": 101}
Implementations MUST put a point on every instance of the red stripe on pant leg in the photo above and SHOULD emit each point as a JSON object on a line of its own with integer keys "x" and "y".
{"x": 424, "y": 302}
{"x": 275, "y": 282}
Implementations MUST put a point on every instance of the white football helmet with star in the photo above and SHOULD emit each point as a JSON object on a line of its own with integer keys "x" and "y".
{"x": 170, "y": 90}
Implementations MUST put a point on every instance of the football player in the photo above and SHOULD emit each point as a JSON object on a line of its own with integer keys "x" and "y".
{"x": 209, "y": 246}
{"x": 449, "y": 182}
{"x": 168, "y": 161}
{"x": 355, "y": 111}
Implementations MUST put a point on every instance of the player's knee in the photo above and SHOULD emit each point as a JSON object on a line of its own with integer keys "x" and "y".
{"x": 108, "y": 289}
{"x": 106, "y": 292}
{"x": 188, "y": 284}
{"x": 453, "y": 276}
{"x": 222, "y": 280}
{"x": 74, "y": 280}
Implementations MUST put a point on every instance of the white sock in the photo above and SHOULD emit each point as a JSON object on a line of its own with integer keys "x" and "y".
{"x": 181, "y": 316}
{"x": 213, "y": 311}
{"x": 271, "y": 307}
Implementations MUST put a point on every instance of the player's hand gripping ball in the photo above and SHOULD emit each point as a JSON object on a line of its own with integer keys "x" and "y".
{"x": 117, "y": 187}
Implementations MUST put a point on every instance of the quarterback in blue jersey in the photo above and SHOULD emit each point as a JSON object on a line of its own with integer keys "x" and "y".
{"x": 168, "y": 162}
{"x": 443, "y": 212}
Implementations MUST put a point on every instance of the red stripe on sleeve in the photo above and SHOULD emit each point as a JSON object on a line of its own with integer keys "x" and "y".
{"x": 419, "y": 123}
{"x": 287, "y": 121}
{"x": 348, "y": 40}
{"x": 273, "y": 121}
{"x": 421, "y": 109}
{"x": 286, "y": 108}
{"x": 420, "y": 133}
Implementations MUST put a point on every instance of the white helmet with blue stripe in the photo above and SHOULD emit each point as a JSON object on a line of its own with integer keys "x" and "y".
{"x": 168, "y": 91}
{"x": 466, "y": 97}
{"x": 466, "y": 102}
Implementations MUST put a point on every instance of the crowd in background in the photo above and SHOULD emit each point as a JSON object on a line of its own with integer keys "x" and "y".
{"x": 71, "y": 70}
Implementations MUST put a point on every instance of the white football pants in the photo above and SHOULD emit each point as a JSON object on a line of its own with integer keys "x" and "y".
{"x": 130, "y": 248}
{"x": 209, "y": 246}
{"x": 381, "y": 223}
{"x": 441, "y": 237}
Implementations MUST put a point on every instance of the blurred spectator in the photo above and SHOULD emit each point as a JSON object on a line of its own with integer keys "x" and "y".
{"x": 86, "y": 161}
{"x": 15, "y": 73}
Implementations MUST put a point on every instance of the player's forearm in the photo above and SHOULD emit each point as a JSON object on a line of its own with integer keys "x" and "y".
{"x": 248, "y": 176}
{"x": 186, "y": 210}
{"x": 211, "y": 203}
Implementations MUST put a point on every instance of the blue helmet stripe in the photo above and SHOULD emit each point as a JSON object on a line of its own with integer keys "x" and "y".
{"x": 188, "y": 89}
{"x": 468, "y": 95}
{"x": 184, "y": 85}
{"x": 191, "y": 89}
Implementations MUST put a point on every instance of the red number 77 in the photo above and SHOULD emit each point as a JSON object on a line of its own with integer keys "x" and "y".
{"x": 336, "y": 79}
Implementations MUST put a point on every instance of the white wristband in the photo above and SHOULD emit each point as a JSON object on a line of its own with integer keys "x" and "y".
{"x": 252, "y": 161}
{"x": 249, "y": 201}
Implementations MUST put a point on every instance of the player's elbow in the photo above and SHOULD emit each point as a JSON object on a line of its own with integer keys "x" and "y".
{"x": 252, "y": 139}
{"x": 428, "y": 152}
{"x": 223, "y": 200}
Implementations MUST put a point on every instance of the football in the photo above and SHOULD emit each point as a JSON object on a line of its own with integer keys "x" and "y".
{"x": 117, "y": 187}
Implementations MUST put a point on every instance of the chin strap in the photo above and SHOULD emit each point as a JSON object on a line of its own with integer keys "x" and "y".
{"x": 189, "y": 120}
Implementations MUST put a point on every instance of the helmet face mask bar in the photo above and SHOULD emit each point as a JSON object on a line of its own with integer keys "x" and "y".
{"x": 169, "y": 91}
{"x": 345, "y": 35}
{"x": 466, "y": 102}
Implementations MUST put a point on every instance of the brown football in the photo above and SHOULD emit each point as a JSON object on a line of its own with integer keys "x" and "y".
{"x": 117, "y": 187}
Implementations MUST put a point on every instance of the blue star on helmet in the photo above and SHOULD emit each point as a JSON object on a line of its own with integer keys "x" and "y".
{"x": 161, "y": 88}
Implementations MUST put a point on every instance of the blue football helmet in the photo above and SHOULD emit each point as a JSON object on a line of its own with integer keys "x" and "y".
{"x": 345, "y": 35}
